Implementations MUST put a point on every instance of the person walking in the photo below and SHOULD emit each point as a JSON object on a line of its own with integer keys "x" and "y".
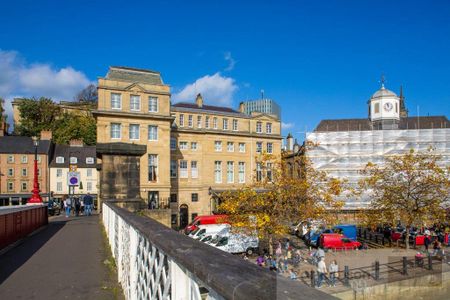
{"x": 321, "y": 271}
{"x": 67, "y": 206}
{"x": 334, "y": 272}
{"x": 77, "y": 206}
{"x": 427, "y": 242}
{"x": 88, "y": 201}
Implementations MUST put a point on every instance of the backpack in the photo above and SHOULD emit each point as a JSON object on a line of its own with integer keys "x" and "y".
{"x": 68, "y": 202}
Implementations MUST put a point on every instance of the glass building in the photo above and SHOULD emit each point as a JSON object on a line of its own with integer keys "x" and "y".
{"x": 266, "y": 106}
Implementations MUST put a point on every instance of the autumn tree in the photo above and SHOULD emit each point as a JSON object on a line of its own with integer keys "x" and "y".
{"x": 277, "y": 199}
{"x": 411, "y": 188}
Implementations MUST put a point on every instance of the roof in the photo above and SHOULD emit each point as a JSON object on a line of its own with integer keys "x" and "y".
{"x": 365, "y": 124}
{"x": 81, "y": 153}
{"x": 205, "y": 107}
{"x": 134, "y": 75}
{"x": 22, "y": 145}
{"x": 383, "y": 92}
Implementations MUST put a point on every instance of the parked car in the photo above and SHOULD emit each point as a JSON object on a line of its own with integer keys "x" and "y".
{"x": 337, "y": 241}
{"x": 204, "y": 220}
{"x": 238, "y": 243}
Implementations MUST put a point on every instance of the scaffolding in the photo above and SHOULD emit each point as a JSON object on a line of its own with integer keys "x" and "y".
{"x": 343, "y": 154}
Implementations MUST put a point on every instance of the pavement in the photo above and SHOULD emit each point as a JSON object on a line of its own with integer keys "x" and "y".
{"x": 65, "y": 260}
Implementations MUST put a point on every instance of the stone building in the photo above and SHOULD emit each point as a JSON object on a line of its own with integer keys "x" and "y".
{"x": 186, "y": 153}
{"x": 17, "y": 168}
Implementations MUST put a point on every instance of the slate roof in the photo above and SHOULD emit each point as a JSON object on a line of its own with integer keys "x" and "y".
{"x": 81, "y": 153}
{"x": 205, "y": 107}
{"x": 134, "y": 75}
{"x": 365, "y": 124}
{"x": 23, "y": 145}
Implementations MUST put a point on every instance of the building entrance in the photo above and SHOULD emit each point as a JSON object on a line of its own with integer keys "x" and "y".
{"x": 184, "y": 216}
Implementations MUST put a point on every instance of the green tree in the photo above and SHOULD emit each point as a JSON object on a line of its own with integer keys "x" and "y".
{"x": 411, "y": 188}
{"x": 71, "y": 126}
{"x": 37, "y": 115}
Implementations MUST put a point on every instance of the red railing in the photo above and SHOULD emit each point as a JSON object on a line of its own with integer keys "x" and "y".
{"x": 16, "y": 222}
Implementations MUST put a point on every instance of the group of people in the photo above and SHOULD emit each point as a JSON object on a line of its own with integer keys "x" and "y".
{"x": 83, "y": 205}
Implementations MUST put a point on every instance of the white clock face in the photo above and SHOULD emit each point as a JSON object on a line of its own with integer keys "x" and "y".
{"x": 388, "y": 106}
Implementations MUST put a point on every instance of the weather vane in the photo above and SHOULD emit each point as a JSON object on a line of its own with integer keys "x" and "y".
{"x": 383, "y": 80}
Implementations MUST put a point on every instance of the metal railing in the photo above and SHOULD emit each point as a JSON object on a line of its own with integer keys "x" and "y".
{"x": 156, "y": 262}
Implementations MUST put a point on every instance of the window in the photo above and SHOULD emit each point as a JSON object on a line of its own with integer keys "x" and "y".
{"x": 10, "y": 172}
{"x": 24, "y": 159}
{"x": 230, "y": 147}
{"x": 258, "y": 127}
{"x": 215, "y": 122}
{"x": 194, "y": 169}
{"x": 152, "y": 167}
{"x": 116, "y": 130}
{"x": 24, "y": 172}
{"x": 152, "y": 133}
{"x": 173, "y": 144}
{"x": 377, "y": 108}
{"x": 194, "y": 146}
{"x": 241, "y": 147}
{"x": 218, "y": 171}
{"x": 225, "y": 124}
{"x": 134, "y": 131}
{"x": 89, "y": 186}
{"x": 181, "y": 120}
{"x": 10, "y": 186}
{"x": 24, "y": 186}
{"x": 190, "y": 122}
{"x": 173, "y": 218}
{"x": 58, "y": 172}
{"x": 194, "y": 198}
{"x": 173, "y": 169}
{"x": 39, "y": 158}
{"x": 90, "y": 160}
{"x": 258, "y": 147}
{"x": 235, "y": 125}
{"x": 10, "y": 158}
{"x": 269, "y": 128}
{"x": 59, "y": 160}
{"x": 183, "y": 145}
{"x": 193, "y": 216}
{"x": 269, "y": 172}
{"x": 116, "y": 101}
{"x": 241, "y": 167}
{"x": 218, "y": 145}
{"x": 199, "y": 121}
{"x": 89, "y": 173}
{"x": 173, "y": 199}
{"x": 230, "y": 172}
{"x": 73, "y": 160}
{"x": 207, "y": 122}
{"x": 135, "y": 102}
{"x": 269, "y": 147}
{"x": 183, "y": 169}
{"x": 152, "y": 104}
{"x": 258, "y": 172}
{"x": 59, "y": 186}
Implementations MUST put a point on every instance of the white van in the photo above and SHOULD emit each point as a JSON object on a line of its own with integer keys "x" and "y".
{"x": 213, "y": 238}
{"x": 237, "y": 243}
{"x": 209, "y": 229}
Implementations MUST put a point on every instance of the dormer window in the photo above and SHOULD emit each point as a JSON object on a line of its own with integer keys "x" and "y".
{"x": 89, "y": 160}
{"x": 59, "y": 159}
{"x": 73, "y": 160}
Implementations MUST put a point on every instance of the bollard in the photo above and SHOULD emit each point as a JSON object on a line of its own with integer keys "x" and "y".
{"x": 346, "y": 275}
{"x": 312, "y": 278}
{"x": 405, "y": 266}
{"x": 430, "y": 262}
{"x": 377, "y": 270}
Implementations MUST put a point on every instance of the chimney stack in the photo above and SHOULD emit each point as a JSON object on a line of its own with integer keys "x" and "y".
{"x": 46, "y": 135}
{"x": 289, "y": 142}
{"x": 199, "y": 100}
{"x": 76, "y": 143}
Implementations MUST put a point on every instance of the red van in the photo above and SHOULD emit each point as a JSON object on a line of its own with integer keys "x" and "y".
{"x": 205, "y": 220}
{"x": 337, "y": 241}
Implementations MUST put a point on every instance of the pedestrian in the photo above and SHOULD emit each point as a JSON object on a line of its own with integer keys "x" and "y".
{"x": 245, "y": 257}
{"x": 289, "y": 255}
{"x": 292, "y": 274}
{"x": 278, "y": 251}
{"x": 273, "y": 264}
{"x": 81, "y": 206}
{"x": 280, "y": 265}
{"x": 285, "y": 263}
{"x": 436, "y": 248}
{"x": 286, "y": 246}
{"x": 67, "y": 206}
{"x": 427, "y": 241}
{"x": 334, "y": 272}
{"x": 321, "y": 271}
{"x": 260, "y": 261}
{"x": 88, "y": 201}
{"x": 319, "y": 254}
{"x": 77, "y": 206}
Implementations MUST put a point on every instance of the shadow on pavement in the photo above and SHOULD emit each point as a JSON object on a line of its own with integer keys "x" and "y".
{"x": 17, "y": 256}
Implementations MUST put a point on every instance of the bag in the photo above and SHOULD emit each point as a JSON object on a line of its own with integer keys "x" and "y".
{"x": 336, "y": 274}
{"x": 68, "y": 202}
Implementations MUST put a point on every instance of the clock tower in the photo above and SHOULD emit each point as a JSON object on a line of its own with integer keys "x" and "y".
{"x": 384, "y": 109}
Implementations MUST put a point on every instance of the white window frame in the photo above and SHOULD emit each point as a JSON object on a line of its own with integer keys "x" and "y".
{"x": 89, "y": 172}
{"x": 194, "y": 146}
{"x": 73, "y": 160}
{"x": 59, "y": 172}
{"x": 258, "y": 127}
{"x": 207, "y": 122}
{"x": 269, "y": 148}
{"x": 60, "y": 159}
{"x": 138, "y": 132}
{"x": 183, "y": 145}
{"x": 230, "y": 171}
{"x": 242, "y": 147}
{"x": 10, "y": 172}
{"x": 259, "y": 174}
{"x": 152, "y": 132}
{"x": 183, "y": 169}
{"x": 114, "y": 101}
{"x": 268, "y": 127}
{"x": 89, "y": 186}
{"x": 10, "y": 186}
{"x": 199, "y": 121}
{"x": 90, "y": 160}
{"x": 215, "y": 123}
{"x": 59, "y": 186}
{"x": 133, "y": 102}
{"x": 10, "y": 159}
{"x": 150, "y": 105}
{"x": 24, "y": 159}
{"x": 24, "y": 174}
{"x": 190, "y": 121}
{"x": 218, "y": 171}
{"x": 181, "y": 120}
{"x": 194, "y": 169}
{"x": 230, "y": 146}
{"x": 235, "y": 125}
{"x": 218, "y": 146}
{"x": 259, "y": 147}
{"x": 241, "y": 172}
{"x": 154, "y": 164}
{"x": 24, "y": 186}
{"x": 119, "y": 125}
{"x": 225, "y": 124}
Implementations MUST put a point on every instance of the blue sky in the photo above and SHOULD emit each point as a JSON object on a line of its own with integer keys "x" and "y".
{"x": 317, "y": 59}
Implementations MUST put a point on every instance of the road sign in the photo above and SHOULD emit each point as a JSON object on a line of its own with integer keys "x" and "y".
{"x": 73, "y": 178}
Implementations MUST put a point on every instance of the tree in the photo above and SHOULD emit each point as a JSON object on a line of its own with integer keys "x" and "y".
{"x": 2, "y": 110}
{"x": 88, "y": 94}
{"x": 37, "y": 115}
{"x": 278, "y": 199}
{"x": 411, "y": 188}
{"x": 72, "y": 126}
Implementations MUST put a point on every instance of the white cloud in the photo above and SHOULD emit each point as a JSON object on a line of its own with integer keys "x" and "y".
{"x": 215, "y": 89}
{"x": 230, "y": 60}
{"x": 287, "y": 125}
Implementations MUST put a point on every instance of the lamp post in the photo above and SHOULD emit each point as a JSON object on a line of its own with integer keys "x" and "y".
{"x": 35, "y": 198}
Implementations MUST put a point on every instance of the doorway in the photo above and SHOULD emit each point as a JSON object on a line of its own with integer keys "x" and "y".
{"x": 153, "y": 200}
{"x": 184, "y": 216}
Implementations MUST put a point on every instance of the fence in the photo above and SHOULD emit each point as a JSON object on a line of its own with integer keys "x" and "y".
{"x": 155, "y": 262}
{"x": 17, "y": 222}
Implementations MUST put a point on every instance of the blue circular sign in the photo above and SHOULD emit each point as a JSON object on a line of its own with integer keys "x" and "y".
{"x": 73, "y": 180}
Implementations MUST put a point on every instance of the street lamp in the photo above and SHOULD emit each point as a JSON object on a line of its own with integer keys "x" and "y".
{"x": 35, "y": 198}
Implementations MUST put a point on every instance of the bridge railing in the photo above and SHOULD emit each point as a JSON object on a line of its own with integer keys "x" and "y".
{"x": 156, "y": 262}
